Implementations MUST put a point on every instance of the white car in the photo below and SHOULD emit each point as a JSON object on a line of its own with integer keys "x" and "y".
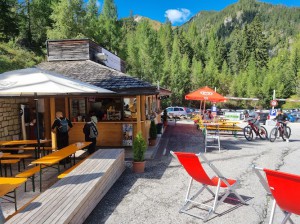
{"x": 176, "y": 112}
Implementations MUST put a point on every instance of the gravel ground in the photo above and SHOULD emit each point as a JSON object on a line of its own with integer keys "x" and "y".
{"x": 156, "y": 195}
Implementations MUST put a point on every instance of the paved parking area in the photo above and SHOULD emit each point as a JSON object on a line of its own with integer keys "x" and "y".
{"x": 156, "y": 196}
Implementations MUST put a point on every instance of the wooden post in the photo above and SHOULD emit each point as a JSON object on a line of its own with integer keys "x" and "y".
{"x": 67, "y": 114}
{"x": 47, "y": 122}
{"x": 138, "y": 114}
{"x": 52, "y": 118}
{"x": 143, "y": 107}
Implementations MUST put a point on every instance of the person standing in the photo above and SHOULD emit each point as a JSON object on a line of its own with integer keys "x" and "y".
{"x": 282, "y": 119}
{"x": 61, "y": 127}
{"x": 90, "y": 133}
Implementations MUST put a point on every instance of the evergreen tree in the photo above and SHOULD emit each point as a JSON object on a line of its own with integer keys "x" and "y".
{"x": 67, "y": 19}
{"x": 109, "y": 10}
{"x": 176, "y": 72}
{"x": 8, "y": 20}
{"x": 91, "y": 20}
{"x": 197, "y": 78}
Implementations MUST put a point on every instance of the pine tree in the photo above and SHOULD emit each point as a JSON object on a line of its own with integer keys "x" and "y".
{"x": 67, "y": 19}
{"x": 197, "y": 78}
{"x": 8, "y": 20}
{"x": 175, "y": 72}
{"x": 91, "y": 20}
{"x": 109, "y": 30}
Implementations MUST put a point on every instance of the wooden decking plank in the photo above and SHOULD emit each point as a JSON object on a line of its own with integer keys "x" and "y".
{"x": 103, "y": 187}
{"x": 72, "y": 195}
{"x": 88, "y": 187}
{"x": 61, "y": 195}
{"x": 91, "y": 202}
{"x": 77, "y": 204}
{"x": 52, "y": 192}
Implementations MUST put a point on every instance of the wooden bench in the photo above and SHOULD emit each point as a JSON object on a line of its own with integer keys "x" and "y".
{"x": 66, "y": 172}
{"x": 29, "y": 174}
{"x": 8, "y": 186}
{"x": 73, "y": 198}
{"x": 9, "y": 162}
{"x": 21, "y": 157}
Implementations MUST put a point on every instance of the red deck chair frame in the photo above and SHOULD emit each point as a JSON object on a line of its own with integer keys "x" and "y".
{"x": 284, "y": 189}
{"x": 192, "y": 164}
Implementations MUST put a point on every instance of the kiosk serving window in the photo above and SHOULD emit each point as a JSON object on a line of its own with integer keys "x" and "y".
{"x": 78, "y": 109}
{"x": 129, "y": 109}
{"x": 107, "y": 108}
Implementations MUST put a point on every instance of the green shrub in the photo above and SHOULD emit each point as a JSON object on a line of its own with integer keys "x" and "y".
{"x": 153, "y": 130}
{"x": 139, "y": 148}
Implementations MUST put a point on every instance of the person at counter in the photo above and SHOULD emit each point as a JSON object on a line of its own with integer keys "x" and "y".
{"x": 61, "y": 127}
{"x": 90, "y": 133}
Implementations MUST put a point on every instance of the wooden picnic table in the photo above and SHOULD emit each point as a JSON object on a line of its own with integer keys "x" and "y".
{"x": 9, "y": 185}
{"x": 55, "y": 157}
{"x": 9, "y": 145}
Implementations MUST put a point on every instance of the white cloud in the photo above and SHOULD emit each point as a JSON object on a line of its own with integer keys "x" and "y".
{"x": 178, "y": 15}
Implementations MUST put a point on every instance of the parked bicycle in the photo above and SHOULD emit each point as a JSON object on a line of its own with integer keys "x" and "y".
{"x": 278, "y": 131}
{"x": 250, "y": 129}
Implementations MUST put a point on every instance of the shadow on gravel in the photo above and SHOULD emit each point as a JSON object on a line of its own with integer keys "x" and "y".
{"x": 179, "y": 137}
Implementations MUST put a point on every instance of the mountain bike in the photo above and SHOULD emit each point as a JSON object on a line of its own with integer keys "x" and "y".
{"x": 278, "y": 131}
{"x": 251, "y": 128}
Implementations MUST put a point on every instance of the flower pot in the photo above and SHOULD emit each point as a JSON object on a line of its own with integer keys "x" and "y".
{"x": 152, "y": 142}
{"x": 138, "y": 167}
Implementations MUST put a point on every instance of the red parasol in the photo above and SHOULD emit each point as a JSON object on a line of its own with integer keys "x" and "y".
{"x": 206, "y": 94}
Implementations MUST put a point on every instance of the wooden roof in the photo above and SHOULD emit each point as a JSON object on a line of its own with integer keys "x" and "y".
{"x": 101, "y": 76}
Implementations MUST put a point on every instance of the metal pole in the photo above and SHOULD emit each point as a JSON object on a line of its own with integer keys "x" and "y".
{"x": 274, "y": 97}
{"x": 37, "y": 125}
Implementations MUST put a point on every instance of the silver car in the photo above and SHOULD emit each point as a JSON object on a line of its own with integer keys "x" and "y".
{"x": 176, "y": 112}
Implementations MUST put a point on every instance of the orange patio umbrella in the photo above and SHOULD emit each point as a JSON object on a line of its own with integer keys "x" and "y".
{"x": 205, "y": 94}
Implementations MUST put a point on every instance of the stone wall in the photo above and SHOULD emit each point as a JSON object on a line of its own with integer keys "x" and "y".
{"x": 10, "y": 127}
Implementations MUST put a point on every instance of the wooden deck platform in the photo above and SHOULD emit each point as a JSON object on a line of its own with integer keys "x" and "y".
{"x": 73, "y": 198}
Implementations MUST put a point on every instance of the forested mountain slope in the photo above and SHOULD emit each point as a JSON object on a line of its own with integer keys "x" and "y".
{"x": 248, "y": 49}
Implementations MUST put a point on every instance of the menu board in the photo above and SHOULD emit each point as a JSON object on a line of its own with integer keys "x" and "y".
{"x": 127, "y": 134}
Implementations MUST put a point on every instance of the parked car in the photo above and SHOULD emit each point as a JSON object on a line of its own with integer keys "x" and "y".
{"x": 176, "y": 112}
{"x": 296, "y": 116}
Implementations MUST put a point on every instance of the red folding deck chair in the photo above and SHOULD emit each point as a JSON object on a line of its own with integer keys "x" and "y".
{"x": 194, "y": 168}
{"x": 285, "y": 190}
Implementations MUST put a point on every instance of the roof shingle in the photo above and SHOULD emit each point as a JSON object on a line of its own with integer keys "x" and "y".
{"x": 100, "y": 75}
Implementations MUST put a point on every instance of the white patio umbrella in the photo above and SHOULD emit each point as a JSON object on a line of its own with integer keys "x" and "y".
{"x": 37, "y": 82}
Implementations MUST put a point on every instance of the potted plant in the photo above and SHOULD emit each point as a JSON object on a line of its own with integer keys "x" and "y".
{"x": 165, "y": 118}
{"x": 152, "y": 133}
{"x": 139, "y": 149}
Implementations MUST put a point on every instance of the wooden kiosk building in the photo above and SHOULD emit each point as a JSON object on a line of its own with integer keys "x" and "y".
{"x": 120, "y": 115}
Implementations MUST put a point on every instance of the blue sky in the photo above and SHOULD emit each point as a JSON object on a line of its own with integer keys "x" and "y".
{"x": 178, "y": 11}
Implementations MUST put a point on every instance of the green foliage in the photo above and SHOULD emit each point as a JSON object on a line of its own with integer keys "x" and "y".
{"x": 153, "y": 130}
{"x": 8, "y": 20}
{"x": 13, "y": 57}
{"x": 290, "y": 104}
{"x": 246, "y": 50}
{"x": 68, "y": 20}
{"x": 139, "y": 148}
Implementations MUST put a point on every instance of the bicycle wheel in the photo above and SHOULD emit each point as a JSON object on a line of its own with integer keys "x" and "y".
{"x": 288, "y": 131}
{"x": 248, "y": 133}
{"x": 263, "y": 133}
{"x": 273, "y": 134}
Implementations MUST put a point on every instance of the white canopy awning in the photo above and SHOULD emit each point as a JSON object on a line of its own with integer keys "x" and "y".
{"x": 35, "y": 81}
